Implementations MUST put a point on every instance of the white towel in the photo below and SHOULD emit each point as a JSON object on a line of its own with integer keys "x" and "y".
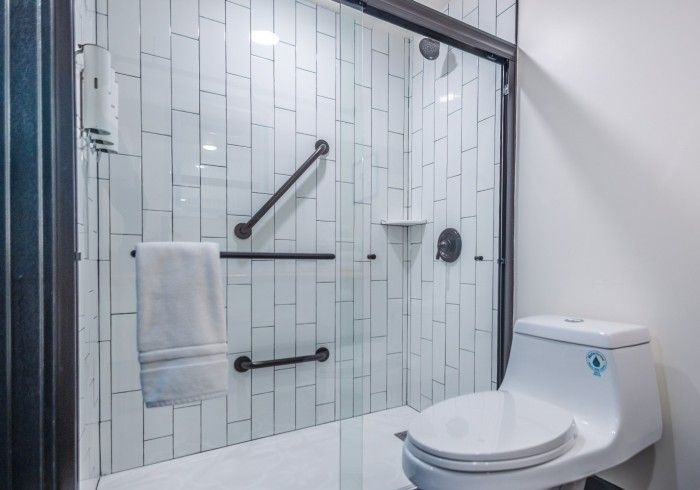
{"x": 181, "y": 322}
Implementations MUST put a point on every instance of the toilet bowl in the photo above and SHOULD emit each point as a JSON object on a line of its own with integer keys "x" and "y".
{"x": 578, "y": 397}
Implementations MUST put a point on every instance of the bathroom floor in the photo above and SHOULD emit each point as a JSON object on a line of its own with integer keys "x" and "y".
{"x": 302, "y": 459}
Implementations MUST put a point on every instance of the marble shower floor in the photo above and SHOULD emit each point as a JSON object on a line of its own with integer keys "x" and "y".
{"x": 305, "y": 459}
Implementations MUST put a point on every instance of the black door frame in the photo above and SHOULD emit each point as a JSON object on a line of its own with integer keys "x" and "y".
{"x": 38, "y": 358}
{"x": 431, "y": 23}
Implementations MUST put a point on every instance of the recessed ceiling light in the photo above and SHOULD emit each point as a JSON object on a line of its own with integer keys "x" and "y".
{"x": 209, "y": 147}
{"x": 265, "y": 38}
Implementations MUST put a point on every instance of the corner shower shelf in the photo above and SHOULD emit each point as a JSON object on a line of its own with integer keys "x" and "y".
{"x": 403, "y": 222}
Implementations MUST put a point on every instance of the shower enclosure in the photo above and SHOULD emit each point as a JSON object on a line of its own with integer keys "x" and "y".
{"x": 325, "y": 148}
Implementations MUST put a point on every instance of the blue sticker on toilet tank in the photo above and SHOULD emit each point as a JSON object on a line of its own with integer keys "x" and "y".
{"x": 597, "y": 362}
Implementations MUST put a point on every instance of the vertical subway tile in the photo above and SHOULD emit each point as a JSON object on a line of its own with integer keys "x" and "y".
{"x": 380, "y": 80}
{"x": 285, "y": 20}
{"x": 285, "y": 82}
{"x": 212, "y": 9}
{"x": 285, "y": 403}
{"x": 306, "y": 37}
{"x": 263, "y": 415}
{"x": 157, "y": 422}
{"x": 238, "y": 111}
{"x": 239, "y": 180}
{"x": 325, "y": 19}
{"x": 306, "y": 102}
{"x": 468, "y": 177}
{"x": 484, "y": 291}
{"x": 185, "y": 73}
{"x": 305, "y": 344}
{"x": 127, "y": 430}
{"x": 239, "y": 321}
{"x": 482, "y": 361}
{"x": 157, "y": 172}
{"x": 484, "y": 224}
{"x": 238, "y": 431}
{"x": 125, "y": 362}
{"x": 285, "y": 331}
{"x": 213, "y": 201}
{"x": 124, "y": 39}
{"x": 213, "y": 423}
{"x": 306, "y": 407}
{"x": 212, "y": 56}
{"x": 237, "y": 39}
{"x": 125, "y": 204}
{"x": 187, "y": 430}
{"x": 262, "y": 93}
{"x": 184, "y": 17}
{"x": 261, "y": 19}
{"x": 263, "y": 160}
{"x": 186, "y": 214}
{"x": 213, "y": 129}
{"x": 326, "y": 60}
{"x": 155, "y": 28}
{"x": 129, "y": 114}
{"x": 157, "y": 450}
{"x": 239, "y": 393}
{"x": 155, "y": 91}
{"x": 123, "y": 273}
{"x": 185, "y": 148}
{"x": 285, "y": 142}
{"x": 485, "y": 154}
{"x": 262, "y": 301}
{"x": 306, "y": 280}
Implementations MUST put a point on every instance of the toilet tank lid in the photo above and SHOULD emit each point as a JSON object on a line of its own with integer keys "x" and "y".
{"x": 593, "y": 333}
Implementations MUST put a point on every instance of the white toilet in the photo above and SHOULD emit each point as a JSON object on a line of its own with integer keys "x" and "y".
{"x": 578, "y": 397}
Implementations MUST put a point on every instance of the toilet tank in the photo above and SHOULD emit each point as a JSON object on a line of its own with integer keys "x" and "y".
{"x": 602, "y": 372}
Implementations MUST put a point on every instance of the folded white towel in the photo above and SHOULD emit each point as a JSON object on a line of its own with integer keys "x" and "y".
{"x": 181, "y": 322}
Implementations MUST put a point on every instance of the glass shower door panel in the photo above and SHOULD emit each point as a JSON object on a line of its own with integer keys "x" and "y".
{"x": 351, "y": 283}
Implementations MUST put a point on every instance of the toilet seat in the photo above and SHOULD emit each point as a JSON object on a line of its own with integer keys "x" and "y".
{"x": 491, "y": 431}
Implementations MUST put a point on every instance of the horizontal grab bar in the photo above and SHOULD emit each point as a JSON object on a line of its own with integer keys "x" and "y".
{"x": 270, "y": 255}
{"x": 244, "y": 363}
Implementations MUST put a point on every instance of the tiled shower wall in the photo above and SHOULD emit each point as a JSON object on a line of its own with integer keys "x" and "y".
{"x": 210, "y": 125}
{"x": 191, "y": 78}
{"x": 454, "y": 183}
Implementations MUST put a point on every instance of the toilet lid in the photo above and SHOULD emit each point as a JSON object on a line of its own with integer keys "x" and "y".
{"x": 491, "y": 426}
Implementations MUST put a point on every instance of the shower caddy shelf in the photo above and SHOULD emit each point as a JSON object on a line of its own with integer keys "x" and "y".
{"x": 403, "y": 222}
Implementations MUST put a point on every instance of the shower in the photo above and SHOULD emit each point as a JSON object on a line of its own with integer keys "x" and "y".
{"x": 429, "y": 48}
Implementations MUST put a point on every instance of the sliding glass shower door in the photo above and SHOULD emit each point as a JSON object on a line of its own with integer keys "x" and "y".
{"x": 341, "y": 323}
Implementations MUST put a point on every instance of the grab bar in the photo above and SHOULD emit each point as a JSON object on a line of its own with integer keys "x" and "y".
{"x": 244, "y": 363}
{"x": 270, "y": 255}
{"x": 244, "y": 230}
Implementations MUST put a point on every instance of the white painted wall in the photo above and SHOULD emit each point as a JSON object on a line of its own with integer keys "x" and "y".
{"x": 608, "y": 220}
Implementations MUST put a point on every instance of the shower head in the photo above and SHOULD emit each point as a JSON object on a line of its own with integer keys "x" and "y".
{"x": 429, "y": 48}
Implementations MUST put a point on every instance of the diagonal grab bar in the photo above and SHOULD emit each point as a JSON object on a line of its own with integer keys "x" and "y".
{"x": 244, "y": 230}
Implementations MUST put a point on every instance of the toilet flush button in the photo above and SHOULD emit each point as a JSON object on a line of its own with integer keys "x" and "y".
{"x": 573, "y": 320}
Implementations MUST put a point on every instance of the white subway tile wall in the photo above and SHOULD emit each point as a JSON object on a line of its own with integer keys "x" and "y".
{"x": 210, "y": 125}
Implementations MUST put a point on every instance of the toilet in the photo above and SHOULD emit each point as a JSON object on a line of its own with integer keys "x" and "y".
{"x": 578, "y": 397}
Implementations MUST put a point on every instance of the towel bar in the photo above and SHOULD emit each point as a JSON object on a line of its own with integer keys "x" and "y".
{"x": 270, "y": 255}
